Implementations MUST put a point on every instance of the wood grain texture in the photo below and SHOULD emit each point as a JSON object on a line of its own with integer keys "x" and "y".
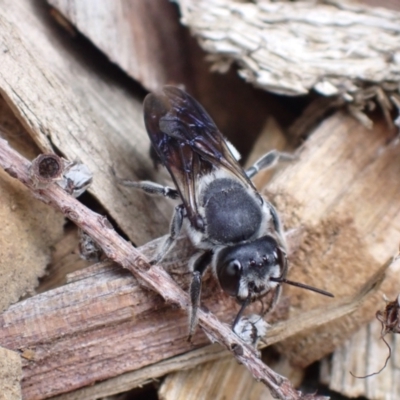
{"x": 365, "y": 353}
{"x": 292, "y": 47}
{"x": 342, "y": 194}
{"x": 369, "y": 355}
{"x": 143, "y": 37}
{"x": 68, "y": 99}
{"x": 99, "y": 325}
{"x": 223, "y": 379}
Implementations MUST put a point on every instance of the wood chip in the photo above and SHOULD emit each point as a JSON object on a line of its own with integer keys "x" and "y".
{"x": 10, "y": 375}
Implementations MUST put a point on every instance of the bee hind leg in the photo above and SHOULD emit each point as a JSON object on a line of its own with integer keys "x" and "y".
{"x": 174, "y": 229}
{"x": 268, "y": 161}
{"x": 200, "y": 265}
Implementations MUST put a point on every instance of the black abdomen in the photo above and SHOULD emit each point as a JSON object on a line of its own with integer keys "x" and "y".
{"x": 232, "y": 214}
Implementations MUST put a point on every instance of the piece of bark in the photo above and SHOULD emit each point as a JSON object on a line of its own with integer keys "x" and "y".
{"x": 292, "y": 47}
{"x": 342, "y": 194}
{"x": 10, "y": 375}
{"x": 28, "y": 229}
{"x": 69, "y": 99}
{"x": 144, "y": 37}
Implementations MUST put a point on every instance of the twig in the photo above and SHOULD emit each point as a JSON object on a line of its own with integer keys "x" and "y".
{"x": 155, "y": 277}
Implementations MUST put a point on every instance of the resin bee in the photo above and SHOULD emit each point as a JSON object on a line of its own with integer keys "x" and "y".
{"x": 232, "y": 227}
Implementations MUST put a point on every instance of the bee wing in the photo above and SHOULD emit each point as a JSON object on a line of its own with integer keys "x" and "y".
{"x": 188, "y": 142}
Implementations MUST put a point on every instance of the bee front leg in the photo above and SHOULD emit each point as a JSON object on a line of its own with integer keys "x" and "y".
{"x": 174, "y": 229}
{"x": 200, "y": 264}
{"x": 268, "y": 161}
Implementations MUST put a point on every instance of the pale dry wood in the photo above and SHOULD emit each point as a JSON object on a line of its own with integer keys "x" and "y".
{"x": 342, "y": 194}
{"x": 10, "y": 375}
{"x": 154, "y": 277}
{"x": 292, "y": 47}
{"x": 67, "y": 101}
{"x": 365, "y": 353}
{"x": 223, "y": 379}
{"x": 28, "y": 229}
{"x": 142, "y": 37}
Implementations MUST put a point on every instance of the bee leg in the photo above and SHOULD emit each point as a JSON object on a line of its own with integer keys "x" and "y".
{"x": 277, "y": 225}
{"x": 174, "y": 229}
{"x": 267, "y": 161}
{"x": 200, "y": 264}
{"x": 150, "y": 188}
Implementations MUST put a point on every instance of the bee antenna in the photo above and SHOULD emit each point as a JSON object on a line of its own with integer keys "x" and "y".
{"x": 302, "y": 285}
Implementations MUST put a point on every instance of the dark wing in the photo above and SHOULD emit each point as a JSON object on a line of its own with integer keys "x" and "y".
{"x": 188, "y": 143}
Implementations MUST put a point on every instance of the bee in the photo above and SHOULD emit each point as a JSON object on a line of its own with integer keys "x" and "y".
{"x": 234, "y": 229}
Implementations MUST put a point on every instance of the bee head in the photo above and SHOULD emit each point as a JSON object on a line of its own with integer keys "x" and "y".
{"x": 244, "y": 271}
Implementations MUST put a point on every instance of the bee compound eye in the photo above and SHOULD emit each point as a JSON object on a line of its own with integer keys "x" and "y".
{"x": 233, "y": 268}
{"x": 229, "y": 274}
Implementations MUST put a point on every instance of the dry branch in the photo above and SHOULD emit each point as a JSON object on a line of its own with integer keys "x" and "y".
{"x": 122, "y": 252}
